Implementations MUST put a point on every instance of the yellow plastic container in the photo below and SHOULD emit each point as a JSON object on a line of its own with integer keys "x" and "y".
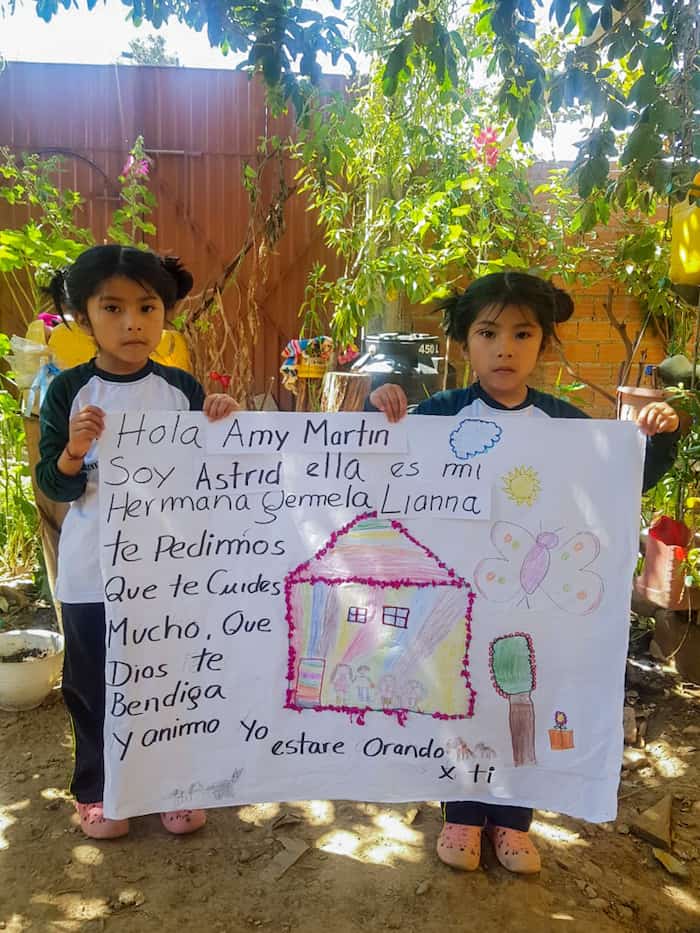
{"x": 311, "y": 368}
{"x": 685, "y": 244}
{"x": 72, "y": 345}
{"x": 36, "y": 332}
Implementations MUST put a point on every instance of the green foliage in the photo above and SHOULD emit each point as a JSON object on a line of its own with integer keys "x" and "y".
{"x": 678, "y": 492}
{"x": 18, "y": 516}
{"x": 130, "y": 223}
{"x": 422, "y": 195}
{"x": 150, "y": 50}
{"x": 415, "y": 197}
{"x": 568, "y": 390}
{"x": 636, "y": 258}
{"x": 50, "y": 239}
{"x": 630, "y": 64}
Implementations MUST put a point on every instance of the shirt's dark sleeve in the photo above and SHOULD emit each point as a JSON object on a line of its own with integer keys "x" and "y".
{"x": 659, "y": 457}
{"x": 195, "y": 393}
{"x": 53, "y": 419}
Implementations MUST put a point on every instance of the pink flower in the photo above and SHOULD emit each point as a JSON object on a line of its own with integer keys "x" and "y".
{"x": 486, "y": 137}
{"x": 134, "y": 166}
{"x": 486, "y": 144}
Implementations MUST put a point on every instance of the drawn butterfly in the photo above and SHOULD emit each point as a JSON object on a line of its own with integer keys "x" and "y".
{"x": 529, "y": 563}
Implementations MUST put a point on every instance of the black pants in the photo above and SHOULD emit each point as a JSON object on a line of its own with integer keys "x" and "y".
{"x": 472, "y": 813}
{"x": 84, "y": 695}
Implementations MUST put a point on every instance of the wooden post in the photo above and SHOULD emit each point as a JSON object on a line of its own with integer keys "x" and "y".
{"x": 345, "y": 391}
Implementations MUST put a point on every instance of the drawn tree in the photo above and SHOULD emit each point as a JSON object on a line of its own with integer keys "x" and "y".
{"x": 512, "y": 666}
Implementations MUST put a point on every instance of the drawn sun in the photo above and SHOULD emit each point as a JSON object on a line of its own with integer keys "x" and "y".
{"x": 522, "y": 485}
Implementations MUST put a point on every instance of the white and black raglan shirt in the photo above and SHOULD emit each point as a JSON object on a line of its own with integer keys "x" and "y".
{"x": 153, "y": 388}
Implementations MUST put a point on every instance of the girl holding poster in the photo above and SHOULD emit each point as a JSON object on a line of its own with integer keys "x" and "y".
{"x": 503, "y": 322}
{"x": 122, "y": 297}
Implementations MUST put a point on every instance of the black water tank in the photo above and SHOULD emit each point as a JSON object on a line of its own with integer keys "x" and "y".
{"x": 410, "y": 360}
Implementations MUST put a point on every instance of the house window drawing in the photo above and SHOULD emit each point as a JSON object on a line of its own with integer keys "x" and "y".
{"x": 375, "y": 572}
{"x": 396, "y": 616}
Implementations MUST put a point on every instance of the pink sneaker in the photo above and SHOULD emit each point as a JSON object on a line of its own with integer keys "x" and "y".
{"x": 181, "y": 822}
{"x": 460, "y": 846}
{"x": 95, "y": 824}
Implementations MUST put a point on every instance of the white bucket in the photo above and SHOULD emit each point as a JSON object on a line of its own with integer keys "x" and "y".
{"x": 24, "y": 684}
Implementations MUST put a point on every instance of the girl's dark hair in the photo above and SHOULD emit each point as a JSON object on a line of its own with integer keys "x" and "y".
{"x": 71, "y": 288}
{"x": 549, "y": 304}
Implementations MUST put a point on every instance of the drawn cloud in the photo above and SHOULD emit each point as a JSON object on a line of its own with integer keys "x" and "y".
{"x": 474, "y": 436}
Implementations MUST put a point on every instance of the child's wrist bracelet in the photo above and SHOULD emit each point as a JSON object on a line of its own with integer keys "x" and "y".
{"x": 71, "y": 456}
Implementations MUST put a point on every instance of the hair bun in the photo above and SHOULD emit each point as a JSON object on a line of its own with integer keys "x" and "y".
{"x": 56, "y": 290}
{"x": 182, "y": 278}
{"x": 563, "y": 305}
{"x": 450, "y": 317}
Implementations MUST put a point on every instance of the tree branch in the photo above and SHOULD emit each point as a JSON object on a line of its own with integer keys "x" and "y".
{"x": 591, "y": 385}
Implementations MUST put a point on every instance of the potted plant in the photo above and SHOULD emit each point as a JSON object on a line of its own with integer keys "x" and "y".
{"x": 30, "y": 666}
{"x": 670, "y": 575}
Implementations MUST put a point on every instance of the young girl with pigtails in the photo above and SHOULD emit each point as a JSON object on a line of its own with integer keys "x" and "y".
{"x": 504, "y": 321}
{"x": 122, "y": 297}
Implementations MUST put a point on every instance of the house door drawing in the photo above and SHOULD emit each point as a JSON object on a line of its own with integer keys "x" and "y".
{"x": 310, "y": 681}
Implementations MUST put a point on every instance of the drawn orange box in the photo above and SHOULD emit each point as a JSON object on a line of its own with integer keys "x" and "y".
{"x": 560, "y": 739}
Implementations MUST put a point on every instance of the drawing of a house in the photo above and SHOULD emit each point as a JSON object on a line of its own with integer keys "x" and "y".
{"x": 378, "y": 622}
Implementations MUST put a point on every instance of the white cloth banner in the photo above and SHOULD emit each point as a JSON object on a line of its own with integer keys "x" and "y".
{"x": 328, "y": 606}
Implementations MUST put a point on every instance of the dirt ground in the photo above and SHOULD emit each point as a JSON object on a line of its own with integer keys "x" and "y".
{"x": 362, "y": 866}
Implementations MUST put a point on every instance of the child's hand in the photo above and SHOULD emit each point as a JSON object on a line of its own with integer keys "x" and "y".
{"x": 391, "y": 399}
{"x": 218, "y": 406}
{"x": 657, "y": 418}
{"x": 84, "y": 428}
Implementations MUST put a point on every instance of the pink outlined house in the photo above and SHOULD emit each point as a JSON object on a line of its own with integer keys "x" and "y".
{"x": 378, "y": 622}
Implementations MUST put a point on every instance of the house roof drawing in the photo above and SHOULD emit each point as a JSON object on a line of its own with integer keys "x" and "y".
{"x": 376, "y": 549}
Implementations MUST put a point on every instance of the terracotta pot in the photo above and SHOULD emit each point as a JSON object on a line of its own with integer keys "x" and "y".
{"x": 662, "y": 580}
{"x": 631, "y": 400}
{"x": 561, "y": 739}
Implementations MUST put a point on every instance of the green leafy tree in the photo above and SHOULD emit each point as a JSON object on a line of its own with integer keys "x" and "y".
{"x": 53, "y": 236}
{"x": 131, "y": 222}
{"x": 50, "y": 238}
{"x": 150, "y": 50}
{"x": 416, "y": 195}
